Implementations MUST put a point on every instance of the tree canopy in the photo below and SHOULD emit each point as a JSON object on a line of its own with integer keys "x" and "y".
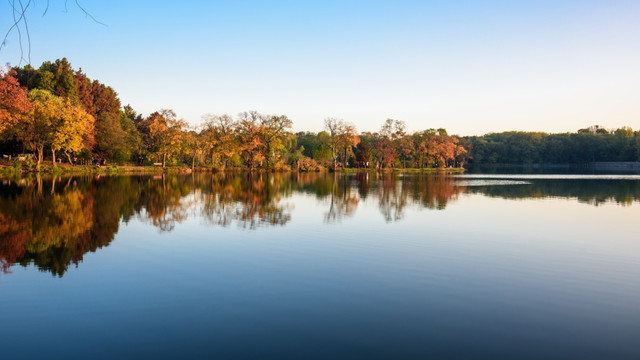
{"x": 54, "y": 109}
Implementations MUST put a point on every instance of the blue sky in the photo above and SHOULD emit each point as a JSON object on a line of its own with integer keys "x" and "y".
{"x": 471, "y": 67}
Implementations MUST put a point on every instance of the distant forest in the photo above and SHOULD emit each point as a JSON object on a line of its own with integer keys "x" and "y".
{"x": 57, "y": 113}
{"x": 586, "y": 145}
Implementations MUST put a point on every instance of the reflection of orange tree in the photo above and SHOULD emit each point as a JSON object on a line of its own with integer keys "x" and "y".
{"x": 250, "y": 200}
{"x": 163, "y": 201}
{"x": 55, "y": 228}
{"x": 392, "y": 198}
{"x": 318, "y": 184}
{"x": 14, "y": 237}
{"x": 432, "y": 191}
{"x": 364, "y": 184}
{"x": 344, "y": 200}
{"x": 49, "y": 222}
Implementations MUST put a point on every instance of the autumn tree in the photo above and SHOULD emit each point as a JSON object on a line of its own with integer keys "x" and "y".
{"x": 14, "y": 104}
{"x": 54, "y": 122}
{"x": 384, "y": 144}
{"x": 335, "y": 128}
{"x": 192, "y": 144}
{"x": 164, "y": 133}
{"x": 347, "y": 139}
{"x": 363, "y": 150}
{"x": 220, "y": 137}
{"x": 71, "y": 128}
{"x": 394, "y": 141}
{"x": 39, "y": 128}
{"x": 462, "y": 152}
{"x": 114, "y": 135}
{"x": 273, "y": 132}
{"x": 251, "y": 145}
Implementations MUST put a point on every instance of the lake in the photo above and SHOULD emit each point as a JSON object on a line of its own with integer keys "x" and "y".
{"x": 319, "y": 265}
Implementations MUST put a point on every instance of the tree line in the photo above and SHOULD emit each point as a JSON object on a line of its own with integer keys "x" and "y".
{"x": 590, "y": 144}
{"x": 58, "y": 113}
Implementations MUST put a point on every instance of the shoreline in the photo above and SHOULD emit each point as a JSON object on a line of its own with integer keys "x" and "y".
{"x": 65, "y": 169}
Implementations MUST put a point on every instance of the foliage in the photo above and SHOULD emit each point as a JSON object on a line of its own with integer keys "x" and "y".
{"x": 586, "y": 145}
{"x": 14, "y": 105}
{"x": 54, "y": 108}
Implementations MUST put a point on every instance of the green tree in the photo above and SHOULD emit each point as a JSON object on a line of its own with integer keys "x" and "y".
{"x": 132, "y": 140}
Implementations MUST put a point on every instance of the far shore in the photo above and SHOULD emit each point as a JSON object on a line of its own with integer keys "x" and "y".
{"x": 67, "y": 169}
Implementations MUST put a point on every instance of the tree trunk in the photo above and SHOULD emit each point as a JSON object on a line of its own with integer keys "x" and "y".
{"x": 193, "y": 162}
{"x": 53, "y": 156}
{"x": 40, "y": 151}
{"x": 268, "y": 157}
{"x": 344, "y": 161}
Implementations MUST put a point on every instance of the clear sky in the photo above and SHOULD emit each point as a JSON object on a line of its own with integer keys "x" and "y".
{"x": 471, "y": 67}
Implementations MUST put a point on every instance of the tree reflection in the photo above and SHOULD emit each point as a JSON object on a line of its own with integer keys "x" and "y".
{"x": 343, "y": 200}
{"x": 250, "y": 199}
{"x": 593, "y": 191}
{"x": 392, "y": 197}
{"x": 53, "y": 222}
{"x": 51, "y": 228}
{"x": 162, "y": 202}
{"x": 435, "y": 191}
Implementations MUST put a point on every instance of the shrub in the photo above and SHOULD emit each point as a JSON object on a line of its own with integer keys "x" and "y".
{"x": 308, "y": 164}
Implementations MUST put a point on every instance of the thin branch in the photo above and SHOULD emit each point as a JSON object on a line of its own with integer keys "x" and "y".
{"x": 26, "y": 27}
{"x": 19, "y": 16}
{"x": 13, "y": 5}
{"x": 89, "y": 15}
{"x": 15, "y": 24}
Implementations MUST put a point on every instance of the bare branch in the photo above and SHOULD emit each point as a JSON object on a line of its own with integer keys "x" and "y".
{"x": 20, "y": 19}
{"x": 89, "y": 15}
{"x": 26, "y": 27}
{"x": 13, "y": 5}
{"x": 14, "y": 25}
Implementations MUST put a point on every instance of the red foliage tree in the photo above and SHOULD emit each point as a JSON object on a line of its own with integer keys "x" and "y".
{"x": 13, "y": 101}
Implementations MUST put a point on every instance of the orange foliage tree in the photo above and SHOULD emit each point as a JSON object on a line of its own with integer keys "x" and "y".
{"x": 14, "y": 104}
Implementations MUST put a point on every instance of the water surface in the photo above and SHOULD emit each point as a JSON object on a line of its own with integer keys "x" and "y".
{"x": 320, "y": 266}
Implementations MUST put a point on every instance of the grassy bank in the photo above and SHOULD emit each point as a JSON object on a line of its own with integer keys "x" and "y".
{"x": 408, "y": 170}
{"x": 19, "y": 168}
{"x": 62, "y": 169}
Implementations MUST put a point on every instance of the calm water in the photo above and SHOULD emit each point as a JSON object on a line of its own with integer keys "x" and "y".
{"x": 316, "y": 266}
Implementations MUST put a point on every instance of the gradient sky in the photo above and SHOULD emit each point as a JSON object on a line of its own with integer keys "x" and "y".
{"x": 471, "y": 67}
